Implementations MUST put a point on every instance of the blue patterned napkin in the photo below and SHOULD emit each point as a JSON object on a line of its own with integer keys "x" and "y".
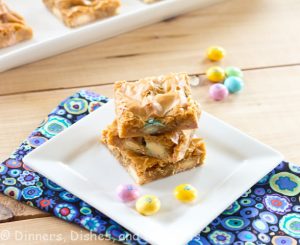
{"x": 268, "y": 213}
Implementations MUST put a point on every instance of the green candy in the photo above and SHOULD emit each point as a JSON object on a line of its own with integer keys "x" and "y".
{"x": 232, "y": 71}
{"x": 152, "y": 126}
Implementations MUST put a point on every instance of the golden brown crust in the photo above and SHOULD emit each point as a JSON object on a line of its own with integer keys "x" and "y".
{"x": 155, "y": 105}
{"x": 145, "y": 169}
{"x": 80, "y": 12}
{"x": 169, "y": 146}
{"x": 13, "y": 28}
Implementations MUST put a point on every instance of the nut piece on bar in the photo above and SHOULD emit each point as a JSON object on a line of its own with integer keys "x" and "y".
{"x": 13, "y": 28}
{"x": 80, "y": 12}
{"x": 170, "y": 147}
{"x": 155, "y": 105}
{"x": 145, "y": 169}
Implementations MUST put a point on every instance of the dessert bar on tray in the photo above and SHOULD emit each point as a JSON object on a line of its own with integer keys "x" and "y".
{"x": 13, "y": 28}
{"x": 79, "y": 12}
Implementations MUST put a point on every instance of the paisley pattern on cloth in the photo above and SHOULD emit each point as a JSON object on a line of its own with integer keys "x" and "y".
{"x": 268, "y": 213}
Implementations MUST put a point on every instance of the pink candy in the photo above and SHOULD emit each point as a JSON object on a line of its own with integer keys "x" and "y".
{"x": 218, "y": 91}
{"x": 127, "y": 192}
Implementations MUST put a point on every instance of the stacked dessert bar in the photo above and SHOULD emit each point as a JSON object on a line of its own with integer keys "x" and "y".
{"x": 153, "y": 133}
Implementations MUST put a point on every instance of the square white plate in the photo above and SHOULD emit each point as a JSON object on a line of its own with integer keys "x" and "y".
{"x": 76, "y": 160}
{"x": 52, "y": 37}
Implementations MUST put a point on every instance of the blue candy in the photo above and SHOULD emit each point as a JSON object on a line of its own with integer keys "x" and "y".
{"x": 153, "y": 126}
{"x": 234, "y": 84}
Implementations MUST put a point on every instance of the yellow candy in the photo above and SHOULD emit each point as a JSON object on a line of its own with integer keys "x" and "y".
{"x": 215, "y": 74}
{"x": 147, "y": 205}
{"x": 185, "y": 193}
{"x": 215, "y": 53}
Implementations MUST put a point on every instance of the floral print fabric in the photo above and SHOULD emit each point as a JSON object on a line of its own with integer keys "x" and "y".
{"x": 268, "y": 213}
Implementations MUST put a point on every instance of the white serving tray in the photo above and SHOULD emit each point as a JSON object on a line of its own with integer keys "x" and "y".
{"x": 76, "y": 160}
{"x": 52, "y": 37}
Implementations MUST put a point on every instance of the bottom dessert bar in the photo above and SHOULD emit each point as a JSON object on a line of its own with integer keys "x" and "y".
{"x": 169, "y": 146}
{"x": 144, "y": 169}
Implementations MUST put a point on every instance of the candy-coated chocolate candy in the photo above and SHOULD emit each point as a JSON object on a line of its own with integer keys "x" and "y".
{"x": 185, "y": 193}
{"x": 218, "y": 91}
{"x": 215, "y": 74}
{"x": 147, "y": 205}
{"x": 127, "y": 192}
{"x": 234, "y": 84}
{"x": 232, "y": 71}
{"x": 152, "y": 126}
{"x": 215, "y": 53}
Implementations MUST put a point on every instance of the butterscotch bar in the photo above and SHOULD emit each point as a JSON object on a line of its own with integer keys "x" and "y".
{"x": 144, "y": 169}
{"x": 171, "y": 146}
{"x": 155, "y": 105}
{"x": 79, "y": 12}
{"x": 13, "y": 28}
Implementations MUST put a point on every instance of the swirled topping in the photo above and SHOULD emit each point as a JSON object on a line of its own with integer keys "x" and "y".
{"x": 67, "y": 4}
{"x": 153, "y": 96}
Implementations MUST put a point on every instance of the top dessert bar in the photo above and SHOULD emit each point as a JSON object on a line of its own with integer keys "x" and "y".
{"x": 145, "y": 169}
{"x": 13, "y": 28}
{"x": 79, "y": 12}
{"x": 155, "y": 105}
